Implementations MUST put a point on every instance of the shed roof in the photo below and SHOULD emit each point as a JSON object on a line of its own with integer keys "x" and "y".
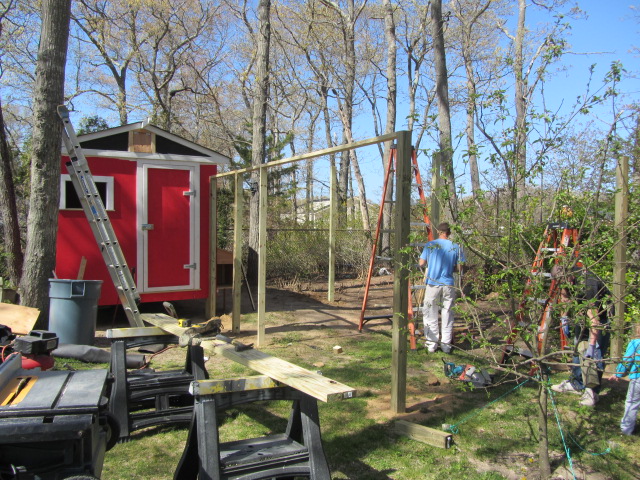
{"x": 116, "y": 142}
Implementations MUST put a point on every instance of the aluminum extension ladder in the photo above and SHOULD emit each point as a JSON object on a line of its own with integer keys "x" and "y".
{"x": 96, "y": 213}
{"x": 414, "y": 290}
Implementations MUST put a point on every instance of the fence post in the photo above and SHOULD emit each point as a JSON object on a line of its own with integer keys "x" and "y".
{"x": 262, "y": 258}
{"x": 401, "y": 277}
{"x": 238, "y": 208}
{"x": 333, "y": 212}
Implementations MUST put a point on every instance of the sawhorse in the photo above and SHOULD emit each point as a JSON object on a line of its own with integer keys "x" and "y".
{"x": 146, "y": 398}
{"x": 297, "y": 452}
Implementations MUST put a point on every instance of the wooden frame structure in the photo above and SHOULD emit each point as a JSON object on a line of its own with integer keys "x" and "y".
{"x": 401, "y": 258}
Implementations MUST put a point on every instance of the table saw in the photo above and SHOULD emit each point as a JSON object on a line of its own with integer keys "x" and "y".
{"x": 53, "y": 424}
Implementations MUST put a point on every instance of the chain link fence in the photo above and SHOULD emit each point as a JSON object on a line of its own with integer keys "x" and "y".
{"x": 303, "y": 253}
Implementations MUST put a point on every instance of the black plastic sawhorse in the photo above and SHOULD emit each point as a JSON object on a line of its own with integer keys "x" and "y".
{"x": 146, "y": 398}
{"x": 296, "y": 453}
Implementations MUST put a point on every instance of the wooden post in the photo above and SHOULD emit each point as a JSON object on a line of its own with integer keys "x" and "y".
{"x": 238, "y": 208}
{"x": 333, "y": 214}
{"x": 210, "y": 308}
{"x": 401, "y": 277}
{"x": 620, "y": 253}
{"x": 434, "y": 215}
{"x": 262, "y": 258}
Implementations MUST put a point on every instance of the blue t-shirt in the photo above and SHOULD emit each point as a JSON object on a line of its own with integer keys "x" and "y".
{"x": 442, "y": 256}
{"x": 630, "y": 364}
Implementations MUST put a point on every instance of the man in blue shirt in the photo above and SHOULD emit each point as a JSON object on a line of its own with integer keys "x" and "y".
{"x": 442, "y": 257}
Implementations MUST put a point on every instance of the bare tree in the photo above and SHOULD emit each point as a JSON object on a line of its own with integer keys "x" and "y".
{"x": 469, "y": 15}
{"x": 42, "y": 221}
{"x": 177, "y": 33}
{"x": 345, "y": 96}
{"x": 112, "y": 29}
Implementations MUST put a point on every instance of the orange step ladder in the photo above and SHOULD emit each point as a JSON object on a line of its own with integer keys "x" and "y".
{"x": 426, "y": 223}
{"x": 559, "y": 241}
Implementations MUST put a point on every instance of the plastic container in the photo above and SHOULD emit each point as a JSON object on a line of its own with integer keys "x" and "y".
{"x": 73, "y": 309}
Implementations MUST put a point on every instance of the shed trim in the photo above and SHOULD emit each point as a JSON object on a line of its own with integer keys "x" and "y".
{"x": 209, "y": 156}
{"x": 163, "y": 157}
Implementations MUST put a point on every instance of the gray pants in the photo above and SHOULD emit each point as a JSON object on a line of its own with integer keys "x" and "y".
{"x": 628, "y": 422}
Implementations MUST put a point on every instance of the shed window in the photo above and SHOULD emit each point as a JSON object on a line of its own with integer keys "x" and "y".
{"x": 69, "y": 198}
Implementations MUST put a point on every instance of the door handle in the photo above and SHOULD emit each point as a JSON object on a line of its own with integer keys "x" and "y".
{"x": 147, "y": 226}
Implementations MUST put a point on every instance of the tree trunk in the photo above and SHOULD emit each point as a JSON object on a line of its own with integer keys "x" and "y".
{"x": 471, "y": 113}
{"x": 520, "y": 140}
{"x": 9, "y": 209}
{"x": 543, "y": 441}
{"x": 42, "y": 222}
{"x": 444, "y": 114}
{"x": 259, "y": 120}
{"x": 392, "y": 92}
{"x": 122, "y": 99}
{"x": 364, "y": 206}
{"x": 327, "y": 130}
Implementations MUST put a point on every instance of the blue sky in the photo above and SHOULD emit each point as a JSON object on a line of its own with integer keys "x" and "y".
{"x": 608, "y": 34}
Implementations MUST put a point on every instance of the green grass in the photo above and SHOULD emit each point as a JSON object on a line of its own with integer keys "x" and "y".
{"x": 495, "y": 427}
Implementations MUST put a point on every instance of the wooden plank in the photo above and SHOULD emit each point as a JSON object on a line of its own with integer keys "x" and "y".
{"x": 210, "y": 387}
{"x": 311, "y": 383}
{"x": 83, "y": 266}
{"x": 19, "y": 318}
{"x": 163, "y": 321}
{"x": 424, "y": 434}
{"x": 135, "y": 332}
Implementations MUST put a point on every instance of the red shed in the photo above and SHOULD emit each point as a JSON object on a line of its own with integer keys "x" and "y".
{"x": 155, "y": 187}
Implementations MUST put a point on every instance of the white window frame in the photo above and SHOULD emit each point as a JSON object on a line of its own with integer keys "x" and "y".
{"x": 65, "y": 178}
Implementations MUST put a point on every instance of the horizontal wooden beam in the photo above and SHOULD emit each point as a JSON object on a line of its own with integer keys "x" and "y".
{"x": 317, "y": 153}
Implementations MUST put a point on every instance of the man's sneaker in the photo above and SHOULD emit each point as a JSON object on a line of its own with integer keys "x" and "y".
{"x": 589, "y": 398}
{"x": 446, "y": 349}
{"x": 565, "y": 387}
{"x": 431, "y": 347}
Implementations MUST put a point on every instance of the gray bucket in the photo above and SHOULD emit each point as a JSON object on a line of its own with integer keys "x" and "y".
{"x": 73, "y": 309}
